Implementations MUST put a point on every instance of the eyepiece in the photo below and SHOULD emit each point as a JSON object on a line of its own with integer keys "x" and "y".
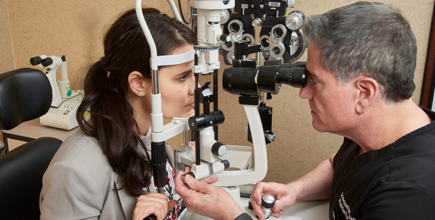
{"x": 47, "y": 61}
{"x": 293, "y": 76}
{"x": 268, "y": 78}
{"x": 35, "y": 60}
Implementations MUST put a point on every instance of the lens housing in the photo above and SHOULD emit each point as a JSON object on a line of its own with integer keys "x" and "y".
{"x": 249, "y": 81}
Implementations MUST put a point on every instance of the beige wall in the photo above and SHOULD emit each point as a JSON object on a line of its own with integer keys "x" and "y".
{"x": 75, "y": 29}
{"x": 6, "y": 51}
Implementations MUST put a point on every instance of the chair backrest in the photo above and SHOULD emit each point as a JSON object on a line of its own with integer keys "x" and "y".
{"x": 25, "y": 94}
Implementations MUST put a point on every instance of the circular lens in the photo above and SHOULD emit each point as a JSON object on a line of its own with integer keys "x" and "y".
{"x": 279, "y": 31}
{"x": 235, "y": 26}
{"x": 276, "y": 50}
{"x": 264, "y": 42}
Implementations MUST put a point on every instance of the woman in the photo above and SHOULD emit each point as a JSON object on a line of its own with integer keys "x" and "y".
{"x": 104, "y": 170}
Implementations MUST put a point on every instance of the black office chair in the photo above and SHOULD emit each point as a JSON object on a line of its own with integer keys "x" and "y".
{"x": 25, "y": 94}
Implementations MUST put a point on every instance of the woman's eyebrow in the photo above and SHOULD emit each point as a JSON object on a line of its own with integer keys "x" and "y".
{"x": 183, "y": 73}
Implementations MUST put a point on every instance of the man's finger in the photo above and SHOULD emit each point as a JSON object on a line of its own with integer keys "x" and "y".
{"x": 258, "y": 193}
{"x": 210, "y": 180}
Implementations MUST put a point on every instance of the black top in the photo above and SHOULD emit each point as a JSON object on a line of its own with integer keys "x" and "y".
{"x": 395, "y": 182}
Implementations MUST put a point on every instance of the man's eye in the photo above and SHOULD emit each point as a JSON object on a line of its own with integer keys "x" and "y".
{"x": 313, "y": 81}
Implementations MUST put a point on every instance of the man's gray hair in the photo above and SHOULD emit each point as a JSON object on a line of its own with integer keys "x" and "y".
{"x": 370, "y": 39}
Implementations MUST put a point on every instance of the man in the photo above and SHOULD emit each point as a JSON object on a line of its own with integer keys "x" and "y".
{"x": 361, "y": 62}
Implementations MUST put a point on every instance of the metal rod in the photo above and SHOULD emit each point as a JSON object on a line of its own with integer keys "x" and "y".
{"x": 215, "y": 101}
{"x": 155, "y": 78}
{"x": 186, "y": 138}
{"x": 197, "y": 138}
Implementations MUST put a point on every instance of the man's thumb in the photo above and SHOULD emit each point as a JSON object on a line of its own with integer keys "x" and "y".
{"x": 194, "y": 184}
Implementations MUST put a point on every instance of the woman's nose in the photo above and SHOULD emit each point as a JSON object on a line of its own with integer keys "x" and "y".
{"x": 192, "y": 86}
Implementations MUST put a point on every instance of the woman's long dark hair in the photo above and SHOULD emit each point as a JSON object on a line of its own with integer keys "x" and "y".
{"x": 106, "y": 87}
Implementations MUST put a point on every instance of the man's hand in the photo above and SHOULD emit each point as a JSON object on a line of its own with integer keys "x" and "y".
{"x": 284, "y": 195}
{"x": 205, "y": 199}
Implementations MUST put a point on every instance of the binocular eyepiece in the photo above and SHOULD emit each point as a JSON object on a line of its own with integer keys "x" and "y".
{"x": 268, "y": 78}
{"x": 45, "y": 61}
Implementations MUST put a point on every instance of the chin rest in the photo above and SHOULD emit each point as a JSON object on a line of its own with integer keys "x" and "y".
{"x": 25, "y": 94}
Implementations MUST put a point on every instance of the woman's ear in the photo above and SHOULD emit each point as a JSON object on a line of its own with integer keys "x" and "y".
{"x": 367, "y": 90}
{"x": 137, "y": 83}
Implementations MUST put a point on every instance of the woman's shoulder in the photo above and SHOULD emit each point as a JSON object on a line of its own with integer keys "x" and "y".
{"x": 81, "y": 150}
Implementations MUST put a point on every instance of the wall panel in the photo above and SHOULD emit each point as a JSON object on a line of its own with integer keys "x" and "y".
{"x": 76, "y": 28}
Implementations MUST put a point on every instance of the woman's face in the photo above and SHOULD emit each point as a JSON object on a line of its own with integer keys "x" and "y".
{"x": 177, "y": 86}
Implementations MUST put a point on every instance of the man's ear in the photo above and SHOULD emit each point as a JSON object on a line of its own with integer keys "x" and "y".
{"x": 137, "y": 83}
{"x": 367, "y": 90}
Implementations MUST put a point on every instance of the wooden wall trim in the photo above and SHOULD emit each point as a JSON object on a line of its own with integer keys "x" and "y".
{"x": 429, "y": 70}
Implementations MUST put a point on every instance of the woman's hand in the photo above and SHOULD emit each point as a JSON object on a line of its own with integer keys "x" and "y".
{"x": 153, "y": 203}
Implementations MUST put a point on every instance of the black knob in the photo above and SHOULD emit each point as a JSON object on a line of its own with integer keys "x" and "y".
{"x": 226, "y": 164}
{"x": 150, "y": 217}
{"x": 206, "y": 120}
{"x": 192, "y": 174}
{"x": 225, "y": 38}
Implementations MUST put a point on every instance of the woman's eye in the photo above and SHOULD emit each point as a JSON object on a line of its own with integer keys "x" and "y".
{"x": 182, "y": 78}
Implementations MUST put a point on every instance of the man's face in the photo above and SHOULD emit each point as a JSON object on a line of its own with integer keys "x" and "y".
{"x": 331, "y": 103}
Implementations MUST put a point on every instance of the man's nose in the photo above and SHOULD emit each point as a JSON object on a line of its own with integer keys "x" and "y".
{"x": 305, "y": 93}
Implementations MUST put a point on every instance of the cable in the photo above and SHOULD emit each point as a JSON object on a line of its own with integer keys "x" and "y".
{"x": 182, "y": 15}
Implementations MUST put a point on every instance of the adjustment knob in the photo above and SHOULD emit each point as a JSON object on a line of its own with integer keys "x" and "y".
{"x": 219, "y": 149}
{"x": 225, "y": 38}
{"x": 267, "y": 203}
{"x": 257, "y": 22}
{"x": 270, "y": 137}
{"x": 226, "y": 164}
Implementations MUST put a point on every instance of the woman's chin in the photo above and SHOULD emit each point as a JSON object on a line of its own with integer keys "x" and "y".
{"x": 188, "y": 114}
{"x": 182, "y": 115}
